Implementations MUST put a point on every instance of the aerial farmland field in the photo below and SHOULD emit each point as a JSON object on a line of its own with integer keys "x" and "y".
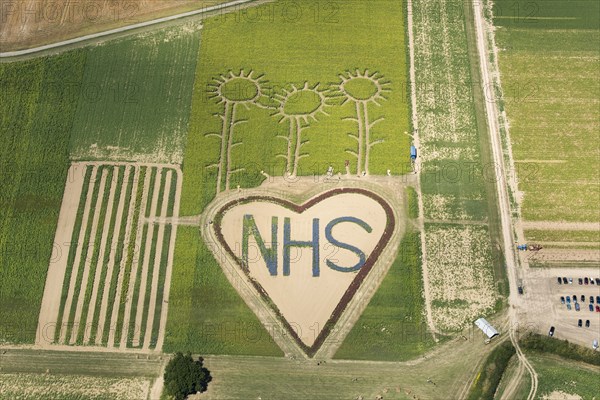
{"x": 551, "y": 96}
{"x": 299, "y": 200}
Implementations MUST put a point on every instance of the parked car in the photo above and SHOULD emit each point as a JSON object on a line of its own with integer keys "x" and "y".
{"x": 591, "y": 307}
{"x": 587, "y": 323}
{"x": 591, "y": 281}
{"x": 575, "y": 298}
{"x": 583, "y": 298}
{"x": 576, "y": 306}
{"x": 562, "y": 299}
{"x": 568, "y": 299}
{"x": 565, "y": 280}
{"x": 551, "y": 333}
{"x": 586, "y": 281}
{"x": 597, "y": 281}
{"x": 568, "y": 306}
{"x": 559, "y": 280}
{"x": 597, "y": 308}
{"x": 597, "y": 299}
{"x": 591, "y": 299}
{"x": 571, "y": 281}
{"x": 579, "y": 323}
{"x": 580, "y": 281}
{"x": 595, "y": 344}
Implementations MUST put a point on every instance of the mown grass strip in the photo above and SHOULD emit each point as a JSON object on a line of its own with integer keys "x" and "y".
{"x": 142, "y": 252}
{"x": 84, "y": 254}
{"x": 109, "y": 249}
{"x": 94, "y": 260}
{"x": 153, "y": 253}
{"x": 72, "y": 250}
{"x": 131, "y": 251}
{"x": 118, "y": 256}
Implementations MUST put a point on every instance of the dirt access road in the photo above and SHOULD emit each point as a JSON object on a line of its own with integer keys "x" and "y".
{"x": 483, "y": 30}
{"x": 24, "y": 29}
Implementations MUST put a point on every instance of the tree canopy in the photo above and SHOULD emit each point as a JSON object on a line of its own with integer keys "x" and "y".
{"x": 185, "y": 376}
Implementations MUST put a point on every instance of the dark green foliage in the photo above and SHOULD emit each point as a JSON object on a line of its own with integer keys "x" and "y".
{"x": 36, "y": 112}
{"x": 184, "y": 376}
{"x": 561, "y": 348}
{"x": 487, "y": 380}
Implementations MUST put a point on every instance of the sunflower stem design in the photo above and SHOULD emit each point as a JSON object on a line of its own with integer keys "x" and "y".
{"x": 362, "y": 89}
{"x": 232, "y": 90}
{"x": 298, "y": 106}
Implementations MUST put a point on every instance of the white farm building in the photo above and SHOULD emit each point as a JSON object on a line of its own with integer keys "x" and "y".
{"x": 485, "y": 326}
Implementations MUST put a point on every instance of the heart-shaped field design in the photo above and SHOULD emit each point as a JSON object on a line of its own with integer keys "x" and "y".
{"x": 307, "y": 261}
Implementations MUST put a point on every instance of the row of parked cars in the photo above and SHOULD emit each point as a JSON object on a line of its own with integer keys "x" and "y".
{"x": 580, "y": 322}
{"x": 581, "y": 281}
{"x": 567, "y": 300}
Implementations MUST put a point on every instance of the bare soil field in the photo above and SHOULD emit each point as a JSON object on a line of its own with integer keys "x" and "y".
{"x": 29, "y": 23}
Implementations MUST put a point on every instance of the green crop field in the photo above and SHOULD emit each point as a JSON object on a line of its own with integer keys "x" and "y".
{"x": 392, "y": 327}
{"x": 307, "y": 101}
{"x": 461, "y": 222}
{"x": 35, "y": 122}
{"x": 551, "y": 94}
{"x": 206, "y": 314}
{"x": 558, "y": 374}
{"x": 134, "y": 99}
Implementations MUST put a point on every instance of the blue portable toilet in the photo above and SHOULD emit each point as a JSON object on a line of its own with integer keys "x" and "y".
{"x": 413, "y": 152}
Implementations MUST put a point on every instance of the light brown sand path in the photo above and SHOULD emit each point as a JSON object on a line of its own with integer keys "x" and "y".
{"x": 112, "y": 256}
{"x": 123, "y": 263}
{"x": 298, "y": 190}
{"x": 78, "y": 255}
{"x": 169, "y": 272}
{"x": 483, "y": 30}
{"x": 88, "y": 260}
{"x": 561, "y": 226}
{"x": 145, "y": 266}
{"x": 157, "y": 261}
{"x": 136, "y": 261}
{"x": 101, "y": 255}
{"x": 417, "y": 144}
{"x": 56, "y": 271}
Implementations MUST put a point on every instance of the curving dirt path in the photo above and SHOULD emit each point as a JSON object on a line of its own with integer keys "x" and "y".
{"x": 506, "y": 222}
{"x": 111, "y": 261}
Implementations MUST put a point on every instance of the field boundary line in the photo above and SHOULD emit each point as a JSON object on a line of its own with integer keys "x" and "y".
{"x": 53, "y": 289}
{"x": 88, "y": 259}
{"x": 78, "y": 254}
{"x": 506, "y": 221}
{"x": 126, "y": 28}
{"x": 157, "y": 261}
{"x": 101, "y": 255}
{"x": 417, "y": 142}
{"x": 111, "y": 261}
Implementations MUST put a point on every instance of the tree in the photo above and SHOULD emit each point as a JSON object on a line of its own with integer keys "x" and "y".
{"x": 184, "y": 376}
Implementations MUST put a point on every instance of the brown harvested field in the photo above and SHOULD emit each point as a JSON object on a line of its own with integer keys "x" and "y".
{"x": 30, "y": 23}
